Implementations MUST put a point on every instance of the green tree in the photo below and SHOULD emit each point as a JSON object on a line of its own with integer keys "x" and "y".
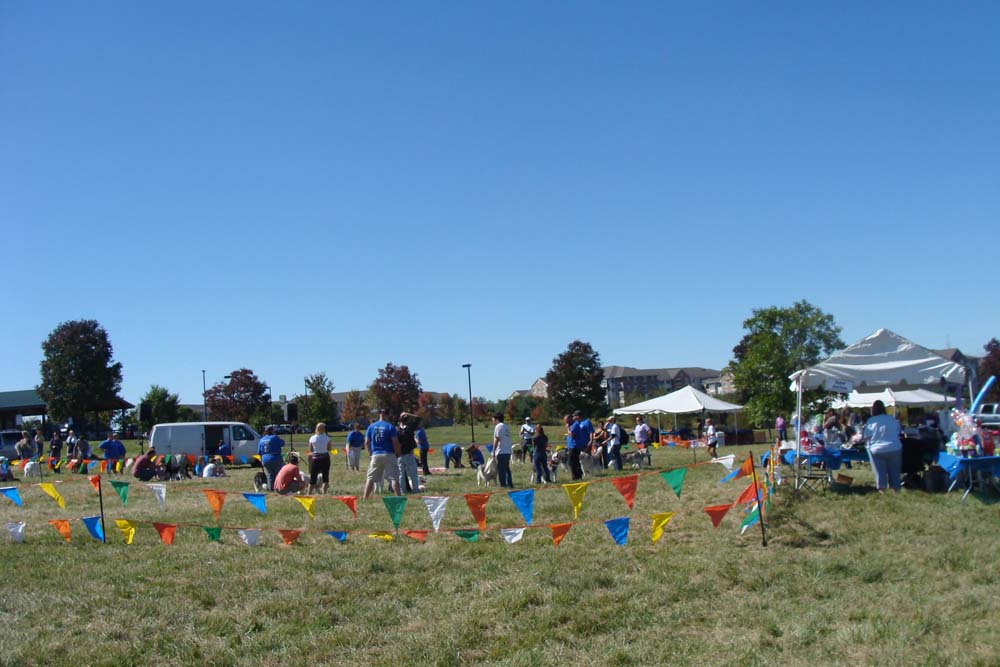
{"x": 319, "y": 405}
{"x": 356, "y": 407}
{"x": 164, "y": 407}
{"x": 241, "y": 399}
{"x": 395, "y": 389}
{"x": 575, "y": 381}
{"x": 79, "y": 375}
{"x": 446, "y": 406}
{"x": 778, "y": 342}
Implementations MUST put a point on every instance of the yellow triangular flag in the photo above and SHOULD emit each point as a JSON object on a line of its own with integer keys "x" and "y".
{"x": 659, "y": 523}
{"x": 381, "y": 535}
{"x": 307, "y": 503}
{"x": 127, "y": 528}
{"x": 576, "y": 492}
{"x": 257, "y": 457}
{"x": 50, "y": 489}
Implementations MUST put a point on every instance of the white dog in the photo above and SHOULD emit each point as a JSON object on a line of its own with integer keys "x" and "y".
{"x": 487, "y": 472}
{"x": 32, "y": 469}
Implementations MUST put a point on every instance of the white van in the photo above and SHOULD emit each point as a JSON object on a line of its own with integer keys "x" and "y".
{"x": 204, "y": 438}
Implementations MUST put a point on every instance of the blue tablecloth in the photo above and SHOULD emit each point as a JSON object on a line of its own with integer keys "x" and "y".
{"x": 831, "y": 459}
{"x": 954, "y": 465}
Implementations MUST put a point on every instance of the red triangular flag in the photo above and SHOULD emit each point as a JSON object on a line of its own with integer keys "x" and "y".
{"x": 559, "y": 531}
{"x": 95, "y": 481}
{"x": 104, "y": 465}
{"x": 351, "y": 502}
{"x": 215, "y": 500}
{"x": 289, "y": 536}
{"x": 418, "y": 535}
{"x": 477, "y": 505}
{"x": 747, "y": 496}
{"x": 191, "y": 459}
{"x": 716, "y": 512}
{"x": 626, "y": 486}
{"x": 166, "y": 531}
{"x": 746, "y": 469}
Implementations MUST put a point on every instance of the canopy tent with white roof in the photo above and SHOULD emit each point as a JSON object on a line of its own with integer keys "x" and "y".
{"x": 904, "y": 397}
{"x": 883, "y": 358}
{"x": 685, "y": 400}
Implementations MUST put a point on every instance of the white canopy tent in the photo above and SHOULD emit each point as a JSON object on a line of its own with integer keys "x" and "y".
{"x": 685, "y": 400}
{"x": 881, "y": 359}
{"x": 904, "y": 397}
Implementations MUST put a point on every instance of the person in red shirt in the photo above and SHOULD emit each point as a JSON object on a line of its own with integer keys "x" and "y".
{"x": 144, "y": 467}
{"x": 289, "y": 479}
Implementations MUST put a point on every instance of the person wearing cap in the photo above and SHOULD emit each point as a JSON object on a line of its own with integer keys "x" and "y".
{"x": 144, "y": 468}
{"x": 502, "y": 450}
{"x": 382, "y": 443}
{"x": 581, "y": 431}
{"x": 289, "y": 479}
{"x": 269, "y": 450}
{"x": 614, "y": 443}
{"x": 527, "y": 434}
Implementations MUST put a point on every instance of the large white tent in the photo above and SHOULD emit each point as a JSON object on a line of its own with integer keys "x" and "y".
{"x": 683, "y": 401}
{"x": 904, "y": 397}
{"x": 884, "y": 358}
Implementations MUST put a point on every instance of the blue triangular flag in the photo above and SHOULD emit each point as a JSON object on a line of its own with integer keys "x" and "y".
{"x": 243, "y": 460}
{"x": 338, "y": 535}
{"x": 257, "y": 500}
{"x": 524, "y": 501}
{"x": 11, "y": 492}
{"x": 618, "y": 529}
{"x": 730, "y": 476}
{"x": 197, "y": 470}
{"x": 93, "y": 524}
{"x": 92, "y": 465}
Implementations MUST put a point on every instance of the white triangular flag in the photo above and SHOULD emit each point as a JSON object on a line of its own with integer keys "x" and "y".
{"x": 16, "y": 531}
{"x": 435, "y": 507}
{"x": 250, "y": 535}
{"x": 160, "y": 491}
{"x": 512, "y": 534}
{"x": 726, "y": 461}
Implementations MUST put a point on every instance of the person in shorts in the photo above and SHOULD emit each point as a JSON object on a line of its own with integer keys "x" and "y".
{"x": 382, "y": 443}
{"x": 355, "y": 443}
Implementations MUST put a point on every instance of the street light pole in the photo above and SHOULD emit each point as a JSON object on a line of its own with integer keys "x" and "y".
{"x": 472, "y": 413}
{"x": 204, "y": 395}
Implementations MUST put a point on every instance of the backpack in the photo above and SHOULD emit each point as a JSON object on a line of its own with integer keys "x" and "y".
{"x": 622, "y": 437}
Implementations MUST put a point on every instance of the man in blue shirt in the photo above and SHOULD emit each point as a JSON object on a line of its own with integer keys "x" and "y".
{"x": 423, "y": 444}
{"x": 382, "y": 443}
{"x": 355, "y": 441}
{"x": 269, "y": 449}
{"x": 581, "y": 430}
{"x": 114, "y": 451}
{"x": 452, "y": 455}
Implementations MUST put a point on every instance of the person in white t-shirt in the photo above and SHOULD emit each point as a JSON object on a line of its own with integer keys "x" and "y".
{"x": 214, "y": 469}
{"x": 502, "y": 449}
{"x": 614, "y": 442}
{"x": 527, "y": 434}
{"x": 711, "y": 438}
{"x": 319, "y": 460}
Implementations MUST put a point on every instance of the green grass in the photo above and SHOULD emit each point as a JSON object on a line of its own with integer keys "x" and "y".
{"x": 846, "y": 579}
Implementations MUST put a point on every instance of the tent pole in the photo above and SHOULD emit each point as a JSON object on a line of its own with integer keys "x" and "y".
{"x": 798, "y": 428}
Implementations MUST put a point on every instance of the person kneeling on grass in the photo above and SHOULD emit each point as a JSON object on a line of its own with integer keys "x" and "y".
{"x": 289, "y": 479}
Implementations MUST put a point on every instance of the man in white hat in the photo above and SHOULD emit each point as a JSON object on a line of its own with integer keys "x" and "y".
{"x": 527, "y": 433}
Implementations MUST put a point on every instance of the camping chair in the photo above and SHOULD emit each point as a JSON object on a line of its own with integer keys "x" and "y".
{"x": 813, "y": 475}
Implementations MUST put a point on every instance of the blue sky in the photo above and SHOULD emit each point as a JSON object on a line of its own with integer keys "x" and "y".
{"x": 312, "y": 186}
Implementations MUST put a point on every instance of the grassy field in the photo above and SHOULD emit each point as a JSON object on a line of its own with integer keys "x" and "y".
{"x": 847, "y": 578}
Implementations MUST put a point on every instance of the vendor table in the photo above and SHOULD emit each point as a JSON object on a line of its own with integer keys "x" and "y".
{"x": 984, "y": 465}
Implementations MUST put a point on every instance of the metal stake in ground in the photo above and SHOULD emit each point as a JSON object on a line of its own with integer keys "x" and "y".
{"x": 760, "y": 502}
{"x": 100, "y": 497}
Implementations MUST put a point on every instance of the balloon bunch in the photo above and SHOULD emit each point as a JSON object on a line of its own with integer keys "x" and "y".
{"x": 967, "y": 440}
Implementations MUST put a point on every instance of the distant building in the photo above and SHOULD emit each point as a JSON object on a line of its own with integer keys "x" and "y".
{"x": 622, "y": 380}
{"x": 539, "y": 388}
{"x": 719, "y": 386}
{"x": 956, "y": 355}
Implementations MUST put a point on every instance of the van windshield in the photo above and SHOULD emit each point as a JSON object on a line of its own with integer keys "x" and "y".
{"x": 241, "y": 432}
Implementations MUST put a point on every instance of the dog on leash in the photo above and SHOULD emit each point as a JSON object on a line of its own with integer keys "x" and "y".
{"x": 260, "y": 482}
{"x": 487, "y": 473}
{"x": 31, "y": 469}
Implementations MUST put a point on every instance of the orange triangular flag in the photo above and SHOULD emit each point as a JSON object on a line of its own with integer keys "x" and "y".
{"x": 351, "y": 502}
{"x": 716, "y": 512}
{"x": 62, "y": 525}
{"x": 104, "y": 465}
{"x": 747, "y": 496}
{"x": 95, "y": 481}
{"x": 746, "y": 469}
{"x": 191, "y": 459}
{"x": 289, "y": 536}
{"x": 559, "y": 531}
{"x": 215, "y": 500}
{"x": 626, "y": 486}
{"x": 477, "y": 505}
{"x": 418, "y": 535}
{"x": 166, "y": 531}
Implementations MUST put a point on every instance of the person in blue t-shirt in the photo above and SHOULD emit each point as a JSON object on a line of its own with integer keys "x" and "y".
{"x": 452, "y": 455}
{"x": 382, "y": 442}
{"x": 581, "y": 430}
{"x": 423, "y": 445}
{"x": 114, "y": 451}
{"x": 269, "y": 449}
{"x": 355, "y": 442}
{"x": 475, "y": 456}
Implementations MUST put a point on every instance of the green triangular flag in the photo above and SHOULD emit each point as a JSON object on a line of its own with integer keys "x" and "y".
{"x": 121, "y": 488}
{"x": 750, "y": 519}
{"x": 468, "y": 535}
{"x": 167, "y": 459}
{"x": 395, "y": 505}
{"x": 214, "y": 533}
{"x": 675, "y": 479}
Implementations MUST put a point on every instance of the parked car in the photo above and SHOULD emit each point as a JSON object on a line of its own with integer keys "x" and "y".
{"x": 8, "y": 443}
{"x": 988, "y": 414}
